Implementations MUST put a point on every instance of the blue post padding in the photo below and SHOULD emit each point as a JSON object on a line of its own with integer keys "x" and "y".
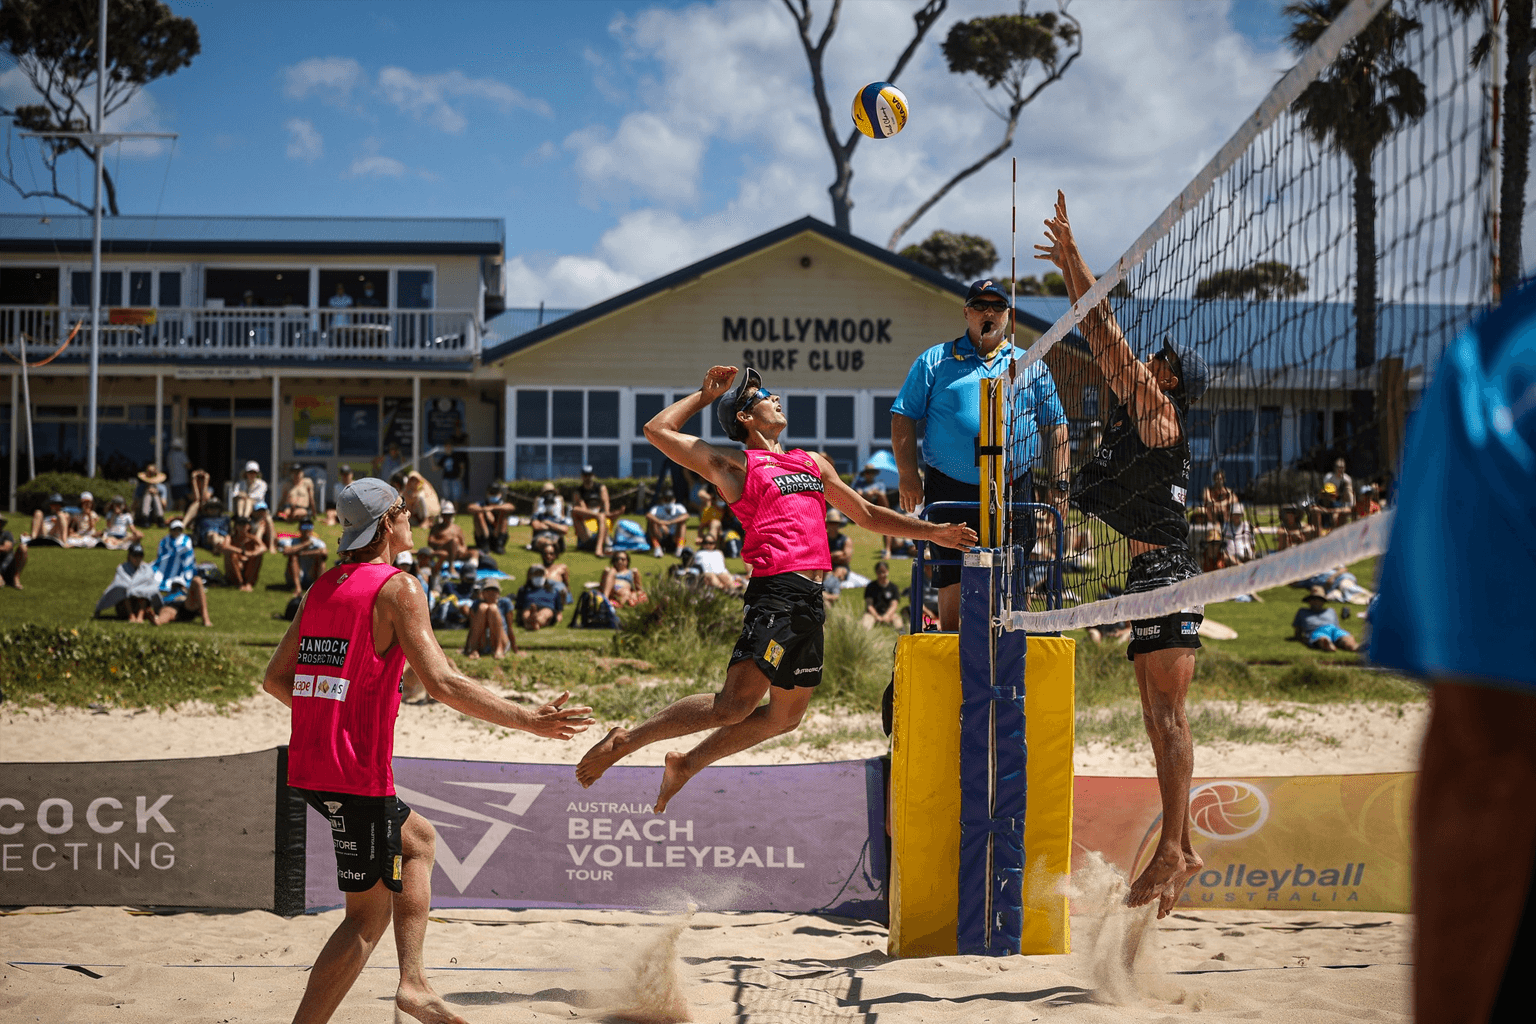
{"x": 992, "y": 771}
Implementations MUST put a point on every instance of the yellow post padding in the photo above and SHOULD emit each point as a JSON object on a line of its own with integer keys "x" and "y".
{"x": 925, "y": 795}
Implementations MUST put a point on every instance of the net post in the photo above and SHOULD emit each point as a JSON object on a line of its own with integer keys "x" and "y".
{"x": 989, "y": 457}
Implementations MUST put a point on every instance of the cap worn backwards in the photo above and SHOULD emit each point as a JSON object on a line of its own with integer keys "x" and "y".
{"x": 1193, "y": 373}
{"x": 360, "y": 507}
{"x": 729, "y": 404}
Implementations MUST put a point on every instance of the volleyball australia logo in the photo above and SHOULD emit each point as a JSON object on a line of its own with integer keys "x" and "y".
{"x": 462, "y": 872}
{"x": 797, "y": 483}
{"x": 1227, "y": 810}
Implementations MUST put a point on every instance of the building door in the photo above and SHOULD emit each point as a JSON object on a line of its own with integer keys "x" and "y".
{"x": 211, "y": 446}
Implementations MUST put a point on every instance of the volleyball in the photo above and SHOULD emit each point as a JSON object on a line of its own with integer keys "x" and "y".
{"x": 880, "y": 110}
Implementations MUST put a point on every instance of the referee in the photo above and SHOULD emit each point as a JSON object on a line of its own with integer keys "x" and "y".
{"x": 943, "y": 388}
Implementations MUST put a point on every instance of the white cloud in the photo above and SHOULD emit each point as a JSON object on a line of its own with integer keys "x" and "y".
{"x": 331, "y": 78}
{"x": 304, "y": 141}
{"x": 426, "y": 97}
{"x": 647, "y": 154}
{"x": 376, "y": 166}
{"x": 566, "y": 281}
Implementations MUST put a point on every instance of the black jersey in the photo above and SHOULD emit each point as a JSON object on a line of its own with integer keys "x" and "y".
{"x": 1138, "y": 491}
{"x": 591, "y": 496}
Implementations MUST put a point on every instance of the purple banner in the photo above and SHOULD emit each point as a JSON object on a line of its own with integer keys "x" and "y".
{"x": 792, "y": 838}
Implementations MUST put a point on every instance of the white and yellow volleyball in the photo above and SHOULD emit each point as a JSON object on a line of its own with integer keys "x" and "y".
{"x": 880, "y": 110}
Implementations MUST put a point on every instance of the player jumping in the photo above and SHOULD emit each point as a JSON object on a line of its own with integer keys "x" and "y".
{"x": 1138, "y": 484}
{"x": 781, "y": 498}
{"x": 338, "y": 668}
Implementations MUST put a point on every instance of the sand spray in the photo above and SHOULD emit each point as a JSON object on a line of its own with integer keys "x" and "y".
{"x": 655, "y": 989}
{"x": 1119, "y": 942}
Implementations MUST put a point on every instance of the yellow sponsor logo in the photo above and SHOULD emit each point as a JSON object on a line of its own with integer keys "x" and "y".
{"x": 397, "y": 868}
{"x": 774, "y": 654}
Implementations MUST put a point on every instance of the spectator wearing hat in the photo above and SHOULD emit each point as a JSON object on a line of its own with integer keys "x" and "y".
{"x": 13, "y": 557}
{"x": 178, "y": 472}
{"x": 1328, "y": 509}
{"x": 1317, "y": 625}
{"x": 262, "y": 527}
{"x": 298, "y": 500}
{"x": 83, "y": 524}
{"x": 446, "y": 540}
{"x": 306, "y": 556}
{"x": 181, "y": 591}
{"x": 943, "y": 389}
{"x": 539, "y": 601}
{"x": 152, "y": 495}
{"x": 133, "y": 594}
{"x": 1366, "y": 502}
{"x": 590, "y": 513}
{"x": 248, "y": 490}
{"x": 838, "y": 543}
{"x": 488, "y": 632}
{"x": 491, "y": 516}
{"x": 1343, "y": 483}
{"x": 117, "y": 530}
{"x": 210, "y": 529}
{"x": 549, "y": 516}
{"x": 1237, "y": 536}
{"x": 665, "y": 524}
{"x": 243, "y": 555}
{"x": 51, "y": 528}
{"x": 343, "y": 481}
{"x": 453, "y": 466}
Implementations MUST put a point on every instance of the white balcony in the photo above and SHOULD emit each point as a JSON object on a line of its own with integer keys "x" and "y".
{"x": 287, "y": 334}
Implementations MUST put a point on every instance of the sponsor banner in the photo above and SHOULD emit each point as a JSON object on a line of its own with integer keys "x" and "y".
{"x": 193, "y": 832}
{"x": 1310, "y": 842}
{"x": 314, "y": 424}
{"x": 792, "y": 838}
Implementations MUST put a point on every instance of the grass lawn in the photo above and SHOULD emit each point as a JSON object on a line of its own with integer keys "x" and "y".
{"x": 1263, "y": 663}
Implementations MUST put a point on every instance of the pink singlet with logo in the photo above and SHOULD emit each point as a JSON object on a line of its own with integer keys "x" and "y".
{"x": 784, "y": 509}
{"x": 345, "y": 697}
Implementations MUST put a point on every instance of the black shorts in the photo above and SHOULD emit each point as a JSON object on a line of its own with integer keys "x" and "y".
{"x": 365, "y": 832}
{"x": 782, "y": 628}
{"x": 1152, "y": 570}
{"x": 938, "y": 487}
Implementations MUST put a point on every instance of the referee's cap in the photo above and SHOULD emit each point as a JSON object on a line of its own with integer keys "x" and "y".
{"x": 1193, "y": 373}
{"x": 360, "y": 507}
{"x": 733, "y": 400}
{"x": 986, "y": 287}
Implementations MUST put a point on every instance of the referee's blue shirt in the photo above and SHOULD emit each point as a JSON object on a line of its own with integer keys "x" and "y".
{"x": 944, "y": 388}
{"x": 1455, "y": 583}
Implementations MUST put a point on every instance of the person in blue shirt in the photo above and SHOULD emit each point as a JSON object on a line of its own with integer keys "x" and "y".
{"x": 181, "y": 589}
{"x": 1454, "y": 607}
{"x": 943, "y": 389}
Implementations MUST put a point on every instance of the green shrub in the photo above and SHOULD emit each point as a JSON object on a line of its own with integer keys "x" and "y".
{"x": 1219, "y": 674}
{"x": 1104, "y": 675}
{"x": 78, "y": 667}
{"x": 857, "y": 663}
{"x": 33, "y": 494}
{"x": 681, "y": 629}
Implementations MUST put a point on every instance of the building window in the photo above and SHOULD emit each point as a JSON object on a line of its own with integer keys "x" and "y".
{"x": 603, "y": 414}
{"x": 532, "y": 462}
{"x": 801, "y": 412}
{"x": 413, "y": 289}
{"x": 604, "y": 459}
{"x": 565, "y": 460}
{"x": 644, "y": 460}
{"x": 111, "y": 288}
{"x": 532, "y": 414}
{"x": 567, "y": 414}
{"x": 207, "y": 408}
{"x": 646, "y": 407}
{"x": 170, "y": 288}
{"x": 844, "y": 457}
{"x": 882, "y": 426}
{"x": 840, "y": 416}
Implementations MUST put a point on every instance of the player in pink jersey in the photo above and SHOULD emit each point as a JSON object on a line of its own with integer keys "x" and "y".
{"x": 781, "y": 498}
{"x": 338, "y": 668}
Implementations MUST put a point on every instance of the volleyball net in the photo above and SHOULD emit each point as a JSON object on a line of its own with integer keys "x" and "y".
{"x": 1318, "y": 266}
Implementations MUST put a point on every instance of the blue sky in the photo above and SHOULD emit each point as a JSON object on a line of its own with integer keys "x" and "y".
{"x": 619, "y": 140}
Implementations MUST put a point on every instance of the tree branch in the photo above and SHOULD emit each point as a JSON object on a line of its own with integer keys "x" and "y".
{"x": 906, "y": 225}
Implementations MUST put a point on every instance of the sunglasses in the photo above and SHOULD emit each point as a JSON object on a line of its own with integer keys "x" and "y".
{"x": 751, "y": 398}
{"x": 1171, "y": 358}
{"x": 997, "y": 306}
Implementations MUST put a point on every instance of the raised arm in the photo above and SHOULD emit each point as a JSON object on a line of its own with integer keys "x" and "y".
{"x": 1157, "y": 420}
{"x": 722, "y": 467}
{"x": 877, "y": 519}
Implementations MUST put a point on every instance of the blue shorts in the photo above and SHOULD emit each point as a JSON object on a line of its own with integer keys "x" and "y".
{"x": 1333, "y": 633}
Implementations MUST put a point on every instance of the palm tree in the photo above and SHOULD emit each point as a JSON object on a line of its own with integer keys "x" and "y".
{"x": 1364, "y": 96}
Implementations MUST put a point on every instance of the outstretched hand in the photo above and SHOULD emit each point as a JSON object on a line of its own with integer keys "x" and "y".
{"x": 718, "y": 381}
{"x": 1058, "y": 231}
{"x": 557, "y": 722}
{"x": 955, "y": 535}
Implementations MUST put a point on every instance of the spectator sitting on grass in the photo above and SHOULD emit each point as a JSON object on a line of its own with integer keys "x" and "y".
{"x": 1329, "y": 509}
{"x": 13, "y": 557}
{"x": 539, "y": 601}
{"x": 343, "y": 481}
{"x": 211, "y": 527}
{"x": 590, "y": 513}
{"x": 306, "y": 556}
{"x": 1103, "y": 633}
{"x": 242, "y": 555}
{"x": 83, "y": 524}
{"x": 711, "y": 565}
{"x": 298, "y": 500}
{"x": 446, "y": 540}
{"x": 262, "y": 527}
{"x": 418, "y": 494}
{"x": 1317, "y": 625}
{"x": 152, "y": 495}
{"x": 549, "y": 517}
{"x": 133, "y": 593}
{"x": 117, "y": 529}
{"x": 665, "y": 523}
{"x": 491, "y": 516}
{"x": 620, "y": 585}
{"x": 1237, "y": 536}
{"x": 51, "y": 528}
{"x": 1366, "y": 503}
{"x": 1217, "y": 500}
{"x": 882, "y": 600}
{"x": 831, "y": 589}
{"x": 488, "y": 632}
{"x": 181, "y": 592}
{"x": 839, "y": 544}
{"x": 248, "y": 490}
{"x": 554, "y": 569}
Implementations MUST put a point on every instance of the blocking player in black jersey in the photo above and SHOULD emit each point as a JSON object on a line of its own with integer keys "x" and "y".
{"x": 1138, "y": 484}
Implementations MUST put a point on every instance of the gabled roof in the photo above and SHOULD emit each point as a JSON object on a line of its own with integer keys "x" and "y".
{"x": 899, "y": 264}
{"x": 364, "y": 236}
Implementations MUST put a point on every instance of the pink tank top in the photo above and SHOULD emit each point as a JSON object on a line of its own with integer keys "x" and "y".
{"x": 784, "y": 509}
{"x": 345, "y": 697}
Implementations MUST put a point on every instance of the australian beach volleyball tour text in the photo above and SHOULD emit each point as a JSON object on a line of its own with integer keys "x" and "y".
{"x": 805, "y": 331}
{"x": 599, "y": 846}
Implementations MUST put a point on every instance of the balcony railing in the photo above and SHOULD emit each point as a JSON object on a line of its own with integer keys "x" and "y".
{"x": 286, "y": 333}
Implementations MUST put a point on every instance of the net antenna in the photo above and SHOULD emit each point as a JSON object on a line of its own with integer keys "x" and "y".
{"x": 1314, "y": 350}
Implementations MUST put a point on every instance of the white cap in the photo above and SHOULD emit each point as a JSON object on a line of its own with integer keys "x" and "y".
{"x": 87, "y": 496}
{"x": 253, "y": 466}
{"x": 176, "y": 524}
{"x": 447, "y": 508}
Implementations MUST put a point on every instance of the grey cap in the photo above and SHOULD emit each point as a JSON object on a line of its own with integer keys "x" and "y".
{"x": 1194, "y": 375}
{"x": 361, "y": 505}
{"x": 730, "y": 404}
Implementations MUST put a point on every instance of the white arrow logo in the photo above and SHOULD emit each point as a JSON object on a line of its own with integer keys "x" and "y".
{"x": 461, "y": 873}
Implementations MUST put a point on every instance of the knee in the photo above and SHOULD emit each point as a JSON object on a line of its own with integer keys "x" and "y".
{"x": 730, "y": 710}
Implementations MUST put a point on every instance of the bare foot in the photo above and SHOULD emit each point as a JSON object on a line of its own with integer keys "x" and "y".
{"x": 1169, "y": 897}
{"x": 17, "y": 585}
{"x": 472, "y": 655}
{"x": 425, "y": 1005}
{"x": 1155, "y": 877}
{"x": 673, "y": 779}
{"x": 601, "y": 757}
